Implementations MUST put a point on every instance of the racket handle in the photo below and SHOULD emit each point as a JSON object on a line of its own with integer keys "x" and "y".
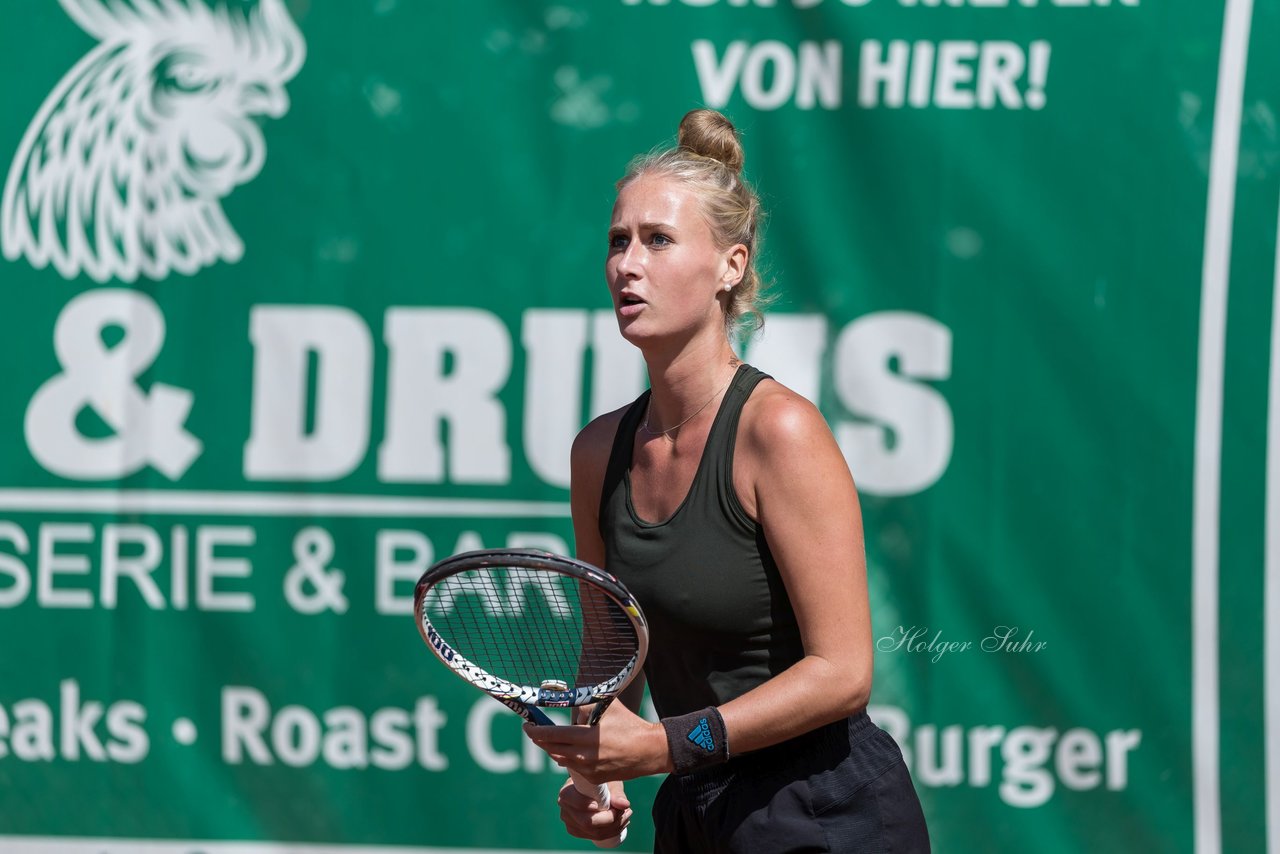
{"x": 600, "y": 794}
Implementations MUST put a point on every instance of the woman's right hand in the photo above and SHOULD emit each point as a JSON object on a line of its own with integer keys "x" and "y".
{"x": 584, "y": 819}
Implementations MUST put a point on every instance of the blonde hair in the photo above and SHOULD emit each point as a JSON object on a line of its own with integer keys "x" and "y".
{"x": 708, "y": 160}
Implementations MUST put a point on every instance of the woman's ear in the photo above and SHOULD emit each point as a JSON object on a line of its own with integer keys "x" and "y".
{"x": 737, "y": 258}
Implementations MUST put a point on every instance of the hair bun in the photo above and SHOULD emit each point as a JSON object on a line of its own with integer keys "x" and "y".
{"x": 708, "y": 133}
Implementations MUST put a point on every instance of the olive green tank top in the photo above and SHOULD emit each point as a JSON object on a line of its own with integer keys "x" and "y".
{"x": 720, "y": 620}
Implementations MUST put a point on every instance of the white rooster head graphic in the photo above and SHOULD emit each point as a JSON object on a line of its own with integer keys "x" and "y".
{"x": 124, "y": 167}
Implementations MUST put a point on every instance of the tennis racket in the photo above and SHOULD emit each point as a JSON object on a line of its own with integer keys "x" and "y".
{"x": 534, "y": 629}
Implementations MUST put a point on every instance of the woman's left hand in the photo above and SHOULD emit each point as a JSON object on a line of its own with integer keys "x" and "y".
{"x": 622, "y": 746}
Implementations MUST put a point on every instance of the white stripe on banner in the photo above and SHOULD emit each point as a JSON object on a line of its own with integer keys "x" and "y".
{"x": 1224, "y": 153}
{"x": 161, "y": 501}
{"x": 1271, "y": 578}
{"x": 80, "y": 845}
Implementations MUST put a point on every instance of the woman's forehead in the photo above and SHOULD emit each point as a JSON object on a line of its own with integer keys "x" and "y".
{"x": 656, "y": 199}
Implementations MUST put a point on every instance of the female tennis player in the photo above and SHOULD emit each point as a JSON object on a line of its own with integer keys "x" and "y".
{"x": 722, "y": 501}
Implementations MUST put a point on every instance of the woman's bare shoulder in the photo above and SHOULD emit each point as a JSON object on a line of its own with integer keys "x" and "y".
{"x": 594, "y": 442}
{"x": 784, "y": 443}
{"x": 775, "y": 413}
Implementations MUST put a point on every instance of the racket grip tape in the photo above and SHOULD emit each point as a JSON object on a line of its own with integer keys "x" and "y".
{"x": 599, "y": 793}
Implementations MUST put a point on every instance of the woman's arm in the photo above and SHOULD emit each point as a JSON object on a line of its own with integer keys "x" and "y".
{"x": 588, "y": 460}
{"x": 793, "y": 478}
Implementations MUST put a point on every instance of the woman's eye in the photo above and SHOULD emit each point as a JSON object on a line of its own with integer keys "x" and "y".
{"x": 617, "y": 241}
{"x": 660, "y": 239}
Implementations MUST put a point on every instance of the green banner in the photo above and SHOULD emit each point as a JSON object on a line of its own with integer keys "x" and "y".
{"x": 301, "y": 297}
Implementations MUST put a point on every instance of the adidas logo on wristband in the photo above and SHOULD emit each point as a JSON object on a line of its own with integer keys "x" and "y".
{"x": 696, "y": 740}
{"x": 701, "y": 736}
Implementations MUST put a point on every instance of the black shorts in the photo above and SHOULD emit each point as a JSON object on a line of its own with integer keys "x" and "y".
{"x": 842, "y": 788}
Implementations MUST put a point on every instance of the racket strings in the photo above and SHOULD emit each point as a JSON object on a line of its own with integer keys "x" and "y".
{"x": 530, "y": 626}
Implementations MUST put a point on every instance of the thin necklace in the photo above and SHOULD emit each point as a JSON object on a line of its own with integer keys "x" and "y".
{"x": 646, "y": 428}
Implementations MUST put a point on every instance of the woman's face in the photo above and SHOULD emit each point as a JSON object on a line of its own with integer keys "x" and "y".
{"x": 664, "y": 270}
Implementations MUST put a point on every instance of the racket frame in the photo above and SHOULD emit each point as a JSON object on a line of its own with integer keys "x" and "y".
{"x": 527, "y": 700}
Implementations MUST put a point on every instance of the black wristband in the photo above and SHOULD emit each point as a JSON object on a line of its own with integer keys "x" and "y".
{"x": 696, "y": 740}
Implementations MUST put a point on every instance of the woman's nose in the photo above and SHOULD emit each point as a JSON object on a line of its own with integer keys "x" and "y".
{"x": 629, "y": 261}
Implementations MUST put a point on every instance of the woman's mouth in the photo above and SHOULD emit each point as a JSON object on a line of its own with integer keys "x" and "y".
{"x": 629, "y": 306}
